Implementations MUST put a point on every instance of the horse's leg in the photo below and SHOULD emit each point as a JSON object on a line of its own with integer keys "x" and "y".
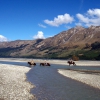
{"x": 74, "y": 64}
{"x": 34, "y": 64}
{"x": 48, "y": 64}
{"x": 45, "y": 64}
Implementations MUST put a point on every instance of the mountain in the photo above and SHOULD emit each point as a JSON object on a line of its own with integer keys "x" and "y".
{"x": 62, "y": 45}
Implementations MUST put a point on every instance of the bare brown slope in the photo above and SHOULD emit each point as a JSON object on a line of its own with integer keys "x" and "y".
{"x": 72, "y": 38}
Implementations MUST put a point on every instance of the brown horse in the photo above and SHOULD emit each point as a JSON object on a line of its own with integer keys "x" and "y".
{"x": 48, "y": 64}
{"x": 30, "y": 64}
{"x": 44, "y": 64}
{"x": 71, "y": 62}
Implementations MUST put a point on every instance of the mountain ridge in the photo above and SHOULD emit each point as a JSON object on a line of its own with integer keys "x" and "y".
{"x": 72, "y": 39}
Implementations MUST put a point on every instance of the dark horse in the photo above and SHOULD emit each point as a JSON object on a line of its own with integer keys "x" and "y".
{"x": 45, "y": 64}
{"x": 71, "y": 62}
{"x": 30, "y": 63}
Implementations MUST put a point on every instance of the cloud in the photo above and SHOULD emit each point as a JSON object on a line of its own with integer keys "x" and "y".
{"x": 43, "y": 26}
{"x": 92, "y": 17}
{"x": 83, "y": 18}
{"x": 68, "y": 27}
{"x": 78, "y": 24}
{"x": 61, "y": 19}
{"x": 39, "y": 35}
{"x": 3, "y": 39}
{"x": 94, "y": 12}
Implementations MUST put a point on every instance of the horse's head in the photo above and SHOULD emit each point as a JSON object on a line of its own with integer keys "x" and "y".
{"x": 68, "y": 61}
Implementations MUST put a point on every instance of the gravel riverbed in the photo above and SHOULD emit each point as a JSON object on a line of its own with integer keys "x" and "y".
{"x": 13, "y": 84}
{"x": 92, "y": 79}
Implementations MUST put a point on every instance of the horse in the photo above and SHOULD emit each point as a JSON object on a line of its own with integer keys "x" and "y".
{"x": 48, "y": 64}
{"x": 44, "y": 64}
{"x": 30, "y": 63}
{"x": 71, "y": 62}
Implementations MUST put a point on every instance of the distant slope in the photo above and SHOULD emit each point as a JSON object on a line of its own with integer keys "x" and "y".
{"x": 62, "y": 45}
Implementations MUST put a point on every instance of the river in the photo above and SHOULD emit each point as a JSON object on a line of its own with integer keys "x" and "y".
{"x": 50, "y": 85}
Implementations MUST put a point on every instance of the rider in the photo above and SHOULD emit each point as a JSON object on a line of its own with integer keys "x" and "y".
{"x": 32, "y": 62}
{"x": 71, "y": 60}
{"x": 45, "y": 62}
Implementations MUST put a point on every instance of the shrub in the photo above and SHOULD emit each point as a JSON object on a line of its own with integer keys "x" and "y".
{"x": 75, "y": 58}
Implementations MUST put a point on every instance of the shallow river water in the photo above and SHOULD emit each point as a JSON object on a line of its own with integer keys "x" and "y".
{"x": 50, "y": 85}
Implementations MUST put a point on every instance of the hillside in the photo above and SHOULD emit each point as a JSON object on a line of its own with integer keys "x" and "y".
{"x": 75, "y": 41}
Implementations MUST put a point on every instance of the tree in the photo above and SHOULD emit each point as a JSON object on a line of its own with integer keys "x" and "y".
{"x": 95, "y": 45}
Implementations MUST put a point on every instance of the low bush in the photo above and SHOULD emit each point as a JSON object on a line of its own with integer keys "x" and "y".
{"x": 75, "y": 58}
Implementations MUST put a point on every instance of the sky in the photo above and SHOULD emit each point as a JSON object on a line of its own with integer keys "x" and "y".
{"x": 34, "y": 19}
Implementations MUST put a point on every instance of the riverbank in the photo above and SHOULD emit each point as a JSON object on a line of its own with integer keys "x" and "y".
{"x": 13, "y": 84}
{"x": 87, "y": 77}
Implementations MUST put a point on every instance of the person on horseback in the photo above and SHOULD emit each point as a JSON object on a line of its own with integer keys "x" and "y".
{"x": 32, "y": 62}
{"x": 71, "y": 60}
{"x": 45, "y": 62}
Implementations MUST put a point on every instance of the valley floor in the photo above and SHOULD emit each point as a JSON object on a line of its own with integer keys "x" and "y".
{"x": 13, "y": 84}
